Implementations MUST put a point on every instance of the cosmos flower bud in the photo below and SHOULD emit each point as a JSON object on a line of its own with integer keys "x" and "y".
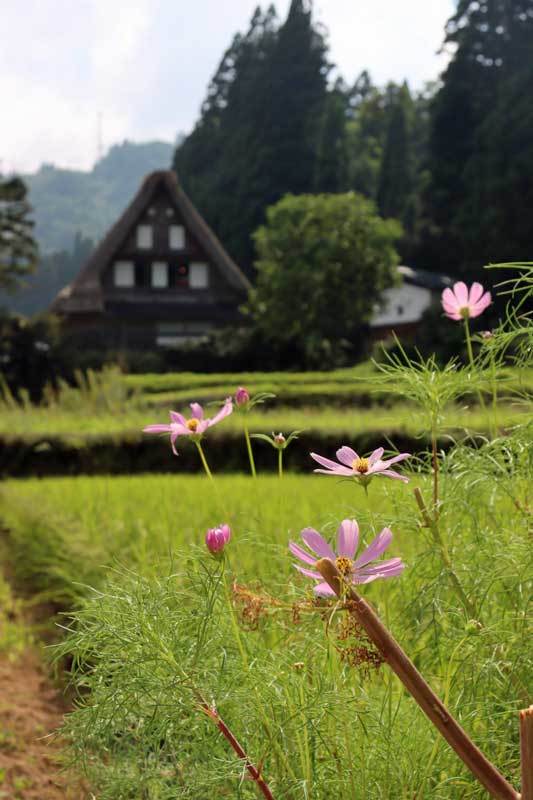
{"x": 487, "y": 335}
{"x": 279, "y": 439}
{"x": 217, "y": 538}
{"x": 242, "y": 396}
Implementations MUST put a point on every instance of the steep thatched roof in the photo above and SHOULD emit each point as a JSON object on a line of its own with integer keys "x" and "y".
{"x": 85, "y": 292}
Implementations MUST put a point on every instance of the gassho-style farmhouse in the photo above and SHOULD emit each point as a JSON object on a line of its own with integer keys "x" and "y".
{"x": 160, "y": 278}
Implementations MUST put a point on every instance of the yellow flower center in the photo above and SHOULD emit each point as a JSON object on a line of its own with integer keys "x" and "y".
{"x": 344, "y": 565}
{"x": 192, "y": 424}
{"x": 360, "y": 465}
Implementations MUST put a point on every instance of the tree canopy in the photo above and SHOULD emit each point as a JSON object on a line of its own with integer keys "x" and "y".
{"x": 18, "y": 249}
{"x": 323, "y": 263}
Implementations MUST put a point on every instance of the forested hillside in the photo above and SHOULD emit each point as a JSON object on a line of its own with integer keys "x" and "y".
{"x": 67, "y": 201}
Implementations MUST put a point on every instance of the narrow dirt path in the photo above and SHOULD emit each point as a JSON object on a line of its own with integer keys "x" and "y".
{"x": 30, "y": 710}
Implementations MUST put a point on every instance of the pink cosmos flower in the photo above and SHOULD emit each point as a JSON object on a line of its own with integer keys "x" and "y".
{"x": 242, "y": 396}
{"x": 195, "y": 426}
{"x": 354, "y": 570}
{"x": 217, "y": 538}
{"x": 460, "y": 302}
{"x": 362, "y": 469}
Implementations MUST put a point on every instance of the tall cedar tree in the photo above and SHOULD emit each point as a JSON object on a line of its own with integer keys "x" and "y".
{"x": 480, "y": 153}
{"x": 259, "y": 131}
{"x": 396, "y": 180}
{"x": 18, "y": 249}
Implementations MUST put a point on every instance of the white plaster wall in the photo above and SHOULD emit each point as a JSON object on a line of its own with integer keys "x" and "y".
{"x": 402, "y": 304}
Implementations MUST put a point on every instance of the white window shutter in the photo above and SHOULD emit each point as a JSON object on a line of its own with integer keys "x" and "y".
{"x": 198, "y": 275}
{"x": 145, "y": 237}
{"x": 176, "y": 237}
{"x": 159, "y": 275}
{"x": 124, "y": 274}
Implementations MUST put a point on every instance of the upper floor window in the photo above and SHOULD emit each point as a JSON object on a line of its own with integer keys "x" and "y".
{"x": 198, "y": 275}
{"x": 145, "y": 238}
{"x": 176, "y": 237}
{"x": 159, "y": 275}
{"x": 124, "y": 274}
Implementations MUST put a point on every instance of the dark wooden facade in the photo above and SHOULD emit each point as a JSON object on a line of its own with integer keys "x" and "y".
{"x": 160, "y": 276}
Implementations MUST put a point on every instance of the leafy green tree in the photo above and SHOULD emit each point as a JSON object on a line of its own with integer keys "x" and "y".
{"x": 323, "y": 263}
{"x": 18, "y": 249}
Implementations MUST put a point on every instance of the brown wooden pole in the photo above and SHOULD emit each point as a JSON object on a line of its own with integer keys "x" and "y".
{"x": 526, "y": 752}
{"x": 254, "y": 773}
{"x": 486, "y": 773}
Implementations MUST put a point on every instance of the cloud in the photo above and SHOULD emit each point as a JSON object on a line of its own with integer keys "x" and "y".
{"x": 145, "y": 64}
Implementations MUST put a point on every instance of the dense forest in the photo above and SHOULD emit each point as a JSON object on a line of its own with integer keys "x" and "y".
{"x": 453, "y": 163}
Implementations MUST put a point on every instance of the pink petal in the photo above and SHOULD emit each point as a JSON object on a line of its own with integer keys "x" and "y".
{"x": 476, "y": 290}
{"x": 369, "y": 575}
{"x": 375, "y": 456}
{"x": 225, "y": 411}
{"x": 460, "y": 291}
{"x": 308, "y": 572}
{"x": 173, "y": 437}
{"x": 346, "y": 455}
{"x": 202, "y": 426}
{"x": 454, "y": 316}
{"x": 344, "y": 472}
{"x": 347, "y": 538}
{"x": 324, "y": 590}
{"x": 481, "y": 305}
{"x": 179, "y": 418}
{"x": 364, "y": 578}
{"x": 449, "y": 308}
{"x": 449, "y": 299}
{"x": 389, "y": 461}
{"x": 317, "y": 543}
{"x": 326, "y": 462}
{"x": 375, "y": 549}
{"x": 383, "y": 567}
{"x": 390, "y": 473}
{"x": 332, "y": 467}
{"x": 300, "y": 553}
{"x": 197, "y": 411}
{"x": 157, "y": 429}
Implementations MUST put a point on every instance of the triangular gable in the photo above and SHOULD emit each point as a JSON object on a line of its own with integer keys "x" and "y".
{"x": 85, "y": 292}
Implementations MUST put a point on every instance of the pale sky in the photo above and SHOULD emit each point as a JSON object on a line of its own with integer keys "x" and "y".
{"x": 144, "y": 65}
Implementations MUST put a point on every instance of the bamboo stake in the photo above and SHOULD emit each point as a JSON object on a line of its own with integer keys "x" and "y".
{"x": 255, "y": 773}
{"x": 526, "y": 752}
{"x": 486, "y": 773}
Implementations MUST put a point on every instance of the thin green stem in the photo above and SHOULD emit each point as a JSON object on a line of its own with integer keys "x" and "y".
{"x": 204, "y": 460}
{"x": 249, "y": 448}
{"x": 472, "y": 362}
{"x": 435, "y": 463}
{"x": 369, "y": 505}
{"x": 433, "y": 526}
{"x": 469, "y": 343}
{"x": 282, "y": 757}
{"x": 280, "y": 462}
{"x": 494, "y": 388}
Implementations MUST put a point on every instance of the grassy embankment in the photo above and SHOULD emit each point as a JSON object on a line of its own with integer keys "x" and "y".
{"x": 97, "y": 426}
{"x": 331, "y": 731}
